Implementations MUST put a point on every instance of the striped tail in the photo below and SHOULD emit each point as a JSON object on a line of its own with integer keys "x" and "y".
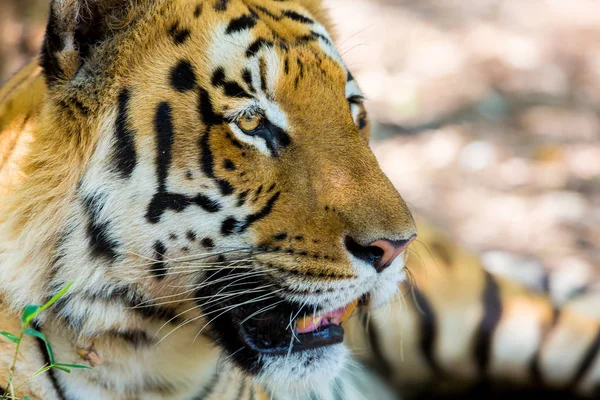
{"x": 457, "y": 328}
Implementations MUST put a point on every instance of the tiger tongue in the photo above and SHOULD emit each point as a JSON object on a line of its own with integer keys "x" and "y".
{"x": 309, "y": 324}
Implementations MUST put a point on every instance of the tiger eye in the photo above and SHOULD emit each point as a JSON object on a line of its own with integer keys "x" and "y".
{"x": 249, "y": 123}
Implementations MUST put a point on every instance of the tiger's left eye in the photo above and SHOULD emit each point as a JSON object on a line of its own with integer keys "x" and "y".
{"x": 249, "y": 123}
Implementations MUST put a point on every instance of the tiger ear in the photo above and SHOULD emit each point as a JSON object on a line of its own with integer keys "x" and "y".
{"x": 76, "y": 28}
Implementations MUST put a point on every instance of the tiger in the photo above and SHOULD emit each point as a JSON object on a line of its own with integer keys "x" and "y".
{"x": 199, "y": 173}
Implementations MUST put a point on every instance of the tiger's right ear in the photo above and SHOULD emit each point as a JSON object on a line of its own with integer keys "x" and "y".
{"x": 76, "y": 29}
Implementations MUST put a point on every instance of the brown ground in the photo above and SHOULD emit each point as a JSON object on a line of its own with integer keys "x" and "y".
{"x": 488, "y": 118}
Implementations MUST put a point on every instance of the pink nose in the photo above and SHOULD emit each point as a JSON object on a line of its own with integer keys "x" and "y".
{"x": 381, "y": 253}
{"x": 390, "y": 250}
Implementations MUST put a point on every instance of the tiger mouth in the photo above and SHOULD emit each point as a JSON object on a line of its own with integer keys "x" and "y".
{"x": 249, "y": 332}
{"x": 306, "y": 332}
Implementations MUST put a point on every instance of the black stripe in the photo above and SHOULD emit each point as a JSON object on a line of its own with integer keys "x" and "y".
{"x": 151, "y": 311}
{"x": 183, "y": 76}
{"x": 317, "y": 36}
{"x": 198, "y": 10}
{"x": 80, "y": 106}
{"x": 534, "y": 366}
{"x": 128, "y": 296}
{"x": 242, "y": 198}
{"x": 52, "y": 45}
{"x": 134, "y": 337}
{"x": 266, "y": 210}
{"x": 164, "y": 200}
{"x": 207, "y": 113}
{"x": 225, "y": 187}
{"x": 179, "y": 35}
{"x": 209, "y": 388}
{"x": 587, "y": 361}
{"x": 208, "y": 205}
{"x": 492, "y": 309}
{"x": 209, "y": 118}
{"x": 221, "y": 5}
{"x": 159, "y": 266}
{"x": 258, "y": 44}
{"x": 228, "y": 226}
{"x": 100, "y": 242}
{"x": 234, "y": 141}
{"x": 176, "y": 202}
{"x": 297, "y": 17}
{"x": 2, "y": 391}
{"x": 267, "y": 12}
{"x": 218, "y": 77}
{"x": 233, "y": 89}
{"x": 382, "y": 364}
{"x": 124, "y": 154}
{"x": 207, "y": 161}
{"x": 247, "y": 76}
{"x": 262, "y": 65}
{"x": 58, "y": 390}
{"x": 283, "y": 139}
{"x": 228, "y": 165}
{"x": 428, "y": 329}
{"x": 163, "y": 123}
{"x": 247, "y": 21}
{"x": 300, "y": 68}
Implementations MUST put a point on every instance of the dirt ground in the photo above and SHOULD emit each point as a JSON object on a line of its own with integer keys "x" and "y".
{"x": 487, "y": 119}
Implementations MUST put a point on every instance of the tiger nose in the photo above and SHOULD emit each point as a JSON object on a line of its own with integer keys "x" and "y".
{"x": 380, "y": 253}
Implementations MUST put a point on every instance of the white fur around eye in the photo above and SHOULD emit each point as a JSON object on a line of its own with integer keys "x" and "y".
{"x": 255, "y": 141}
{"x": 355, "y": 110}
{"x": 352, "y": 89}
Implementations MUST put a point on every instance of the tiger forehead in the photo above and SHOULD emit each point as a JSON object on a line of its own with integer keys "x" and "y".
{"x": 229, "y": 33}
{"x": 246, "y": 49}
{"x": 283, "y": 21}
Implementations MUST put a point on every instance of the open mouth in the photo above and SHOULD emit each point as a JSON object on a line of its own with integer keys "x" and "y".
{"x": 305, "y": 332}
{"x": 251, "y": 323}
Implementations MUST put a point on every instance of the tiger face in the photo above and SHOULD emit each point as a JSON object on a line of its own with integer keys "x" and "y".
{"x": 229, "y": 185}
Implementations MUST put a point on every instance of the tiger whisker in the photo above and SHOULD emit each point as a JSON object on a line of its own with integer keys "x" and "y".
{"x": 196, "y": 287}
{"x": 227, "y": 308}
{"x": 264, "y": 309}
{"x": 216, "y": 297}
{"x": 188, "y": 321}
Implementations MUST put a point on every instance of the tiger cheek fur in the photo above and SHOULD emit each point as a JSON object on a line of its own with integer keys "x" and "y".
{"x": 181, "y": 223}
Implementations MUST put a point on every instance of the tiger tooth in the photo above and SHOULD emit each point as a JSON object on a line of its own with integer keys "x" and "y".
{"x": 306, "y": 322}
{"x": 348, "y": 311}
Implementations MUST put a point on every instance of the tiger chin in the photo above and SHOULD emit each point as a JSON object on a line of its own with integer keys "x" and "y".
{"x": 200, "y": 171}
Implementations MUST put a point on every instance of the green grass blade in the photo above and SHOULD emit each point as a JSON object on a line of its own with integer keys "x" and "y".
{"x": 10, "y": 336}
{"x": 74, "y": 366}
{"x": 29, "y": 313}
{"x": 64, "y": 369}
{"x": 28, "y": 316}
{"x": 40, "y": 335}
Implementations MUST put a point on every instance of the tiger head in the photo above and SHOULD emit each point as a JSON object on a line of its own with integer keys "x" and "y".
{"x": 213, "y": 165}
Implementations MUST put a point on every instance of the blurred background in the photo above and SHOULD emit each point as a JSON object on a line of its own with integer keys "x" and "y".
{"x": 486, "y": 117}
